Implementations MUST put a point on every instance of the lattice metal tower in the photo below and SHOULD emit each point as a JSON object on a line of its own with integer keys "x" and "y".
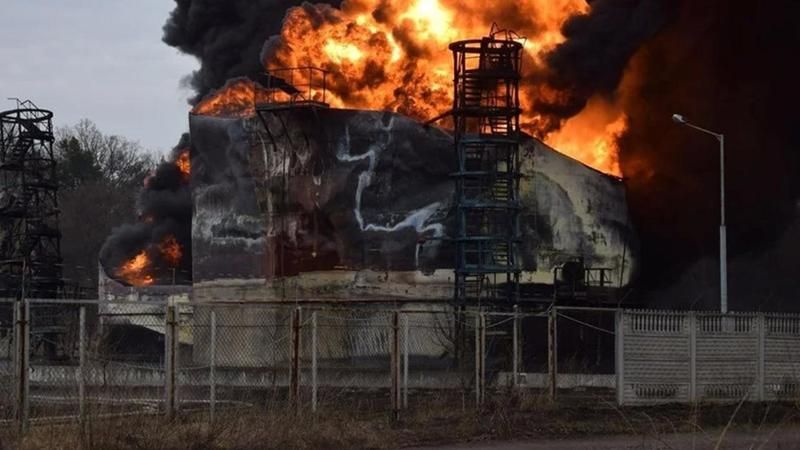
{"x": 486, "y": 114}
{"x": 30, "y": 240}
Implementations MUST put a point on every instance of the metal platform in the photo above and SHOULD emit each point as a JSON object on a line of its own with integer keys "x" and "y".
{"x": 293, "y": 87}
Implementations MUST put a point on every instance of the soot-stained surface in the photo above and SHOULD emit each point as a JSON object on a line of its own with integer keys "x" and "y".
{"x": 341, "y": 203}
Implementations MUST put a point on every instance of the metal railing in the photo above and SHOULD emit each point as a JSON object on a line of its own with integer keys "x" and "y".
{"x": 295, "y": 85}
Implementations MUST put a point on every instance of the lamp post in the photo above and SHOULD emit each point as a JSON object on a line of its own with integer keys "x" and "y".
{"x": 723, "y": 242}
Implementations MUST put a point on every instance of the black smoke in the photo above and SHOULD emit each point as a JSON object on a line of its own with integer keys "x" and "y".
{"x": 591, "y": 61}
{"x": 226, "y": 37}
{"x": 165, "y": 209}
{"x": 728, "y": 66}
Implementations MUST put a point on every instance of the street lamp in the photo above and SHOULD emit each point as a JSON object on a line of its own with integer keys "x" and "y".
{"x": 723, "y": 243}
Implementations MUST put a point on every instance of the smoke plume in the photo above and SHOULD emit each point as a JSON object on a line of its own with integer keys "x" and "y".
{"x": 226, "y": 37}
{"x": 594, "y": 55}
{"x": 165, "y": 215}
{"x": 724, "y": 66}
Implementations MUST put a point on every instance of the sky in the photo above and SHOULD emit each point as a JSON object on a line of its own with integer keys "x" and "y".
{"x": 102, "y": 60}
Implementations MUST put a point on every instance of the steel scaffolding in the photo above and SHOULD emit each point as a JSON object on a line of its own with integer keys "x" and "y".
{"x": 30, "y": 240}
{"x": 486, "y": 116}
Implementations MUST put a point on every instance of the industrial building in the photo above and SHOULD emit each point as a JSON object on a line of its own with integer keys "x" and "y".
{"x": 298, "y": 203}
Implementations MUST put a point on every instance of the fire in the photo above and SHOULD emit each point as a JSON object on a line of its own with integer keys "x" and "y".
{"x": 184, "y": 164}
{"x": 138, "y": 271}
{"x": 431, "y": 20}
{"x": 236, "y": 98}
{"x": 392, "y": 55}
{"x": 339, "y": 52}
{"x": 591, "y": 136}
{"x": 135, "y": 271}
{"x": 171, "y": 250}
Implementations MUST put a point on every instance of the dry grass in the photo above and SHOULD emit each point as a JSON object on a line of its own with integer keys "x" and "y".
{"x": 435, "y": 419}
{"x": 234, "y": 430}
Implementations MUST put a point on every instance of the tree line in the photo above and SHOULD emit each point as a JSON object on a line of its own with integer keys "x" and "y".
{"x": 99, "y": 177}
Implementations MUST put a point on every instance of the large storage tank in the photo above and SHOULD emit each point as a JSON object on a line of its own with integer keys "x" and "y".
{"x": 350, "y": 205}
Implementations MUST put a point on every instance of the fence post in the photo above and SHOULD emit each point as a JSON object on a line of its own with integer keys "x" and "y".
{"x": 477, "y": 358}
{"x": 294, "y": 380}
{"x": 212, "y": 367}
{"x": 515, "y": 348}
{"x": 405, "y": 361}
{"x": 22, "y": 352}
{"x": 170, "y": 361}
{"x": 18, "y": 375}
{"x": 395, "y": 364}
{"x": 692, "y": 323}
{"x": 314, "y": 361}
{"x": 619, "y": 353}
{"x": 761, "y": 320}
{"x": 483, "y": 356}
{"x": 480, "y": 358}
{"x": 552, "y": 352}
{"x": 82, "y": 364}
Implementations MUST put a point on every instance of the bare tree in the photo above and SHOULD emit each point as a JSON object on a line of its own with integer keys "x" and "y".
{"x": 100, "y": 176}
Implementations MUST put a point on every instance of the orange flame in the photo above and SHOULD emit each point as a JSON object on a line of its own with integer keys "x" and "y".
{"x": 236, "y": 98}
{"x": 392, "y": 55}
{"x": 171, "y": 250}
{"x": 135, "y": 271}
{"x": 184, "y": 164}
{"x": 591, "y": 137}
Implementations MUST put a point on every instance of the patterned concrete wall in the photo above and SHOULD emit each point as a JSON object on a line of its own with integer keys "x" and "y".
{"x": 665, "y": 357}
{"x": 781, "y": 357}
{"x": 655, "y": 355}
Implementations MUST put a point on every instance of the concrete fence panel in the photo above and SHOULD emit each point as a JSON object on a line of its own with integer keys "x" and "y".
{"x": 707, "y": 356}
{"x": 656, "y": 358}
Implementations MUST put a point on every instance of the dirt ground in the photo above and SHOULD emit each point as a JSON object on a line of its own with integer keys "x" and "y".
{"x": 521, "y": 423}
{"x": 778, "y": 439}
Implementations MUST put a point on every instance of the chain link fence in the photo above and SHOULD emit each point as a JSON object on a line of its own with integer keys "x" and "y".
{"x": 126, "y": 358}
{"x": 81, "y": 358}
{"x": 354, "y": 357}
{"x": 234, "y": 356}
{"x": 7, "y": 361}
{"x": 52, "y": 359}
{"x": 72, "y": 360}
{"x": 84, "y": 359}
{"x": 435, "y": 369}
{"x": 585, "y": 352}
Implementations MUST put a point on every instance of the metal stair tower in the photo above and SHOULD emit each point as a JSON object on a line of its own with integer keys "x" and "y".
{"x": 486, "y": 113}
{"x": 30, "y": 240}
